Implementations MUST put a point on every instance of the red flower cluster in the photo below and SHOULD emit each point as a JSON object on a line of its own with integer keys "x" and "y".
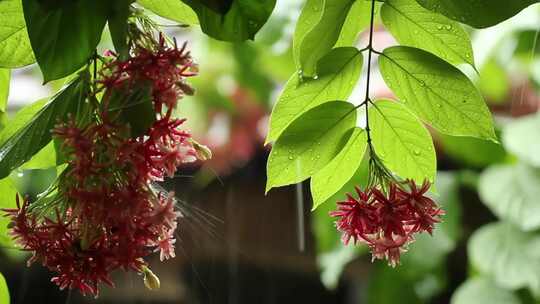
{"x": 110, "y": 217}
{"x": 387, "y": 223}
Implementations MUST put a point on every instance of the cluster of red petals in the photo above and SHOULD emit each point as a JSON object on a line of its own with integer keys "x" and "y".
{"x": 111, "y": 217}
{"x": 387, "y": 222}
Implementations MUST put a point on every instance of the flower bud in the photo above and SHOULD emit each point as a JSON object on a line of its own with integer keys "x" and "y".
{"x": 151, "y": 281}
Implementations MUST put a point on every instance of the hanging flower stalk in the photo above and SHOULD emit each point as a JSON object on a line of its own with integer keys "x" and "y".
{"x": 107, "y": 215}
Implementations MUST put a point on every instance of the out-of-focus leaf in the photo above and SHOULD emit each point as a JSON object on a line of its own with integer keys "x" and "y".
{"x": 493, "y": 82}
{"x": 5, "y": 77}
{"x": 483, "y": 291}
{"x": 338, "y": 73}
{"x": 521, "y": 138}
{"x": 477, "y": 13}
{"x": 118, "y": 26}
{"x": 437, "y": 92}
{"x": 389, "y": 286}
{"x": 15, "y": 49}
{"x": 472, "y": 151}
{"x": 513, "y": 193}
{"x": 8, "y": 201}
{"x": 415, "y": 26}
{"x": 248, "y": 72}
{"x": 171, "y": 9}
{"x": 4, "y": 291}
{"x": 310, "y": 143}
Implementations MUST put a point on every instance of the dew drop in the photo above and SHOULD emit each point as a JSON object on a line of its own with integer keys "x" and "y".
{"x": 291, "y": 157}
{"x": 416, "y": 152}
{"x": 449, "y": 27}
{"x": 422, "y": 83}
{"x": 439, "y": 27}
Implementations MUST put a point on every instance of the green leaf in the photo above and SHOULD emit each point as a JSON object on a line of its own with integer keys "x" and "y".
{"x": 22, "y": 143}
{"x": 390, "y": 286}
{"x": 118, "y": 26}
{"x": 338, "y": 73}
{"x": 5, "y": 77}
{"x": 437, "y": 92}
{"x": 310, "y": 143}
{"x": 472, "y": 152}
{"x": 64, "y": 37}
{"x": 44, "y": 159}
{"x": 15, "y": 49}
{"x": 241, "y": 22}
{"x": 521, "y": 138}
{"x": 8, "y": 201}
{"x": 322, "y": 34}
{"x": 478, "y": 13}
{"x": 4, "y": 290}
{"x": 483, "y": 291}
{"x": 357, "y": 20}
{"x": 402, "y": 142}
{"x": 171, "y": 9}
{"x": 512, "y": 192}
{"x": 340, "y": 170}
{"x": 508, "y": 255}
{"x": 494, "y": 82}
{"x": 133, "y": 107}
{"x": 415, "y": 26}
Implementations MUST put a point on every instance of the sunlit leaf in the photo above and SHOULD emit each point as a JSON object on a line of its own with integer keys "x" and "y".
{"x": 338, "y": 73}
{"x": 477, "y": 13}
{"x": 341, "y": 169}
{"x": 5, "y": 77}
{"x": 4, "y": 291}
{"x": 310, "y": 143}
{"x": 518, "y": 139}
{"x": 494, "y": 82}
{"x": 171, "y": 9}
{"x": 15, "y": 49}
{"x": 512, "y": 193}
{"x": 402, "y": 142}
{"x": 357, "y": 20}
{"x": 483, "y": 291}
{"x": 9, "y": 192}
{"x": 415, "y": 26}
{"x": 437, "y": 92}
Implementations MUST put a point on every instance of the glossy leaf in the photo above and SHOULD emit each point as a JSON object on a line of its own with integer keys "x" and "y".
{"x": 477, "y": 13}
{"x": 65, "y": 36}
{"x": 415, "y": 26}
{"x": 518, "y": 139}
{"x": 510, "y": 256}
{"x": 240, "y": 22}
{"x": 512, "y": 193}
{"x": 44, "y": 159}
{"x": 9, "y": 193}
{"x": 20, "y": 145}
{"x": 319, "y": 38}
{"x": 118, "y": 26}
{"x": 134, "y": 108}
{"x": 357, "y": 21}
{"x": 15, "y": 49}
{"x": 5, "y": 77}
{"x": 338, "y": 73}
{"x": 4, "y": 290}
{"x": 310, "y": 143}
{"x": 402, "y": 142}
{"x": 483, "y": 291}
{"x": 437, "y": 92}
{"x": 340, "y": 170}
{"x": 171, "y": 9}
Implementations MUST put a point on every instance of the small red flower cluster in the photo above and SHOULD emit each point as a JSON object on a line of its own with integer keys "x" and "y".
{"x": 110, "y": 216}
{"x": 387, "y": 223}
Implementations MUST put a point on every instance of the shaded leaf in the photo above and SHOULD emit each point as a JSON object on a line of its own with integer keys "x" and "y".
{"x": 437, "y": 92}
{"x": 483, "y": 291}
{"x": 171, "y": 9}
{"x": 338, "y": 73}
{"x": 134, "y": 108}
{"x": 402, "y": 142}
{"x": 521, "y": 138}
{"x": 415, "y": 26}
{"x": 15, "y": 49}
{"x": 118, "y": 26}
{"x": 310, "y": 143}
{"x": 4, "y": 290}
{"x": 472, "y": 152}
{"x": 65, "y": 36}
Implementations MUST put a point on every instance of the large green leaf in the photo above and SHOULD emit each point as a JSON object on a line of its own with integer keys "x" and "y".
{"x": 483, "y": 291}
{"x": 437, "y": 92}
{"x": 21, "y": 144}
{"x": 8, "y": 201}
{"x": 338, "y": 73}
{"x": 310, "y": 143}
{"x": 340, "y": 170}
{"x": 522, "y": 138}
{"x": 15, "y": 49}
{"x": 357, "y": 20}
{"x": 240, "y": 22}
{"x": 508, "y": 255}
{"x": 171, "y": 9}
{"x": 118, "y": 26}
{"x": 322, "y": 34}
{"x": 64, "y": 35}
{"x": 513, "y": 194}
{"x": 5, "y": 77}
{"x": 4, "y": 290}
{"x": 477, "y": 13}
{"x": 402, "y": 142}
{"x": 415, "y": 26}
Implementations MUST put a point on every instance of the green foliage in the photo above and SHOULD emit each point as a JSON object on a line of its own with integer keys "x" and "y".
{"x": 493, "y": 82}
{"x": 118, "y": 26}
{"x": 4, "y": 291}
{"x": 340, "y": 170}
{"x": 401, "y": 289}
{"x": 318, "y": 30}
{"x": 415, "y": 26}
{"x": 472, "y": 151}
{"x": 240, "y": 22}
{"x": 483, "y": 291}
{"x": 518, "y": 140}
{"x": 15, "y": 49}
{"x": 508, "y": 255}
{"x": 64, "y": 35}
{"x": 477, "y": 13}
{"x": 402, "y": 142}
{"x": 134, "y": 108}
{"x": 171, "y": 9}
{"x": 5, "y": 77}
{"x": 357, "y": 20}
{"x": 310, "y": 143}
{"x": 22, "y": 143}
{"x": 338, "y": 73}
{"x": 9, "y": 192}
{"x": 437, "y": 92}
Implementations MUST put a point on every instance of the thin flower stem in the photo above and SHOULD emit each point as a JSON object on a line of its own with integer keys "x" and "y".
{"x": 370, "y": 50}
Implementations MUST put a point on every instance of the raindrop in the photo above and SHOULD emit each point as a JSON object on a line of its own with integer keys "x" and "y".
{"x": 464, "y": 101}
{"x": 439, "y": 27}
{"x": 422, "y": 83}
{"x": 449, "y": 27}
{"x": 416, "y": 152}
{"x": 316, "y": 77}
{"x": 291, "y": 157}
